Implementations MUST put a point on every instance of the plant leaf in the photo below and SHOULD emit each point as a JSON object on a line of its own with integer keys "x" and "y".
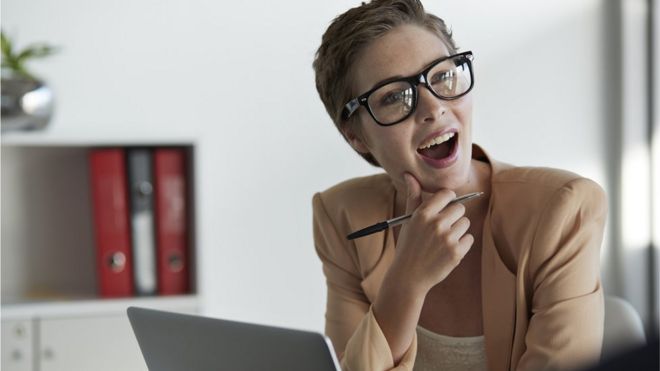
{"x": 35, "y": 51}
{"x": 16, "y": 61}
{"x": 6, "y": 45}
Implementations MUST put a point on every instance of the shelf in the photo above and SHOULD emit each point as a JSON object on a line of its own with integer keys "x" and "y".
{"x": 48, "y": 247}
{"x": 88, "y": 307}
{"x": 50, "y": 302}
{"x": 58, "y": 138}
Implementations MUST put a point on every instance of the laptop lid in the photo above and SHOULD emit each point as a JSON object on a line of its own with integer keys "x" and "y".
{"x": 174, "y": 341}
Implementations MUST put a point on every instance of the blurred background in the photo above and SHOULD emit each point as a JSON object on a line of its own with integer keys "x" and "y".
{"x": 567, "y": 84}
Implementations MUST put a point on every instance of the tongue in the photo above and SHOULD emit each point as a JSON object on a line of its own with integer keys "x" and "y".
{"x": 439, "y": 151}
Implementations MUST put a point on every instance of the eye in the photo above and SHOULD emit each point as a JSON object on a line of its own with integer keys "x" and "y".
{"x": 445, "y": 82}
{"x": 443, "y": 76}
{"x": 393, "y": 97}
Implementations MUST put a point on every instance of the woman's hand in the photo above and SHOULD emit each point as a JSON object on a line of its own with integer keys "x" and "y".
{"x": 434, "y": 241}
{"x": 431, "y": 244}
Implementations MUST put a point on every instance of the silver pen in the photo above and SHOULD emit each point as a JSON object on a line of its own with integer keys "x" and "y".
{"x": 402, "y": 219}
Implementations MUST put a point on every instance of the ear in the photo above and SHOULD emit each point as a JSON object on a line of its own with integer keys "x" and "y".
{"x": 355, "y": 139}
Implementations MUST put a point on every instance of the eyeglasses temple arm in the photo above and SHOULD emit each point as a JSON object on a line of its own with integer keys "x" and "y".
{"x": 349, "y": 108}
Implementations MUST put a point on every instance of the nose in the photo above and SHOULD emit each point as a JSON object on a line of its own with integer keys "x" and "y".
{"x": 429, "y": 107}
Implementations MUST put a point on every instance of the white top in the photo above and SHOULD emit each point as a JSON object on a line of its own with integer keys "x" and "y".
{"x": 448, "y": 353}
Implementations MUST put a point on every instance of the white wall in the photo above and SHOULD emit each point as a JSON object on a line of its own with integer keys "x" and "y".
{"x": 238, "y": 74}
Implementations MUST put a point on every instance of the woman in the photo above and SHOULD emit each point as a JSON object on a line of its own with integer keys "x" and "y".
{"x": 509, "y": 280}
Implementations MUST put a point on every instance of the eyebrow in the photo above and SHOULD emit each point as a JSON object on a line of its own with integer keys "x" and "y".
{"x": 399, "y": 77}
{"x": 387, "y": 80}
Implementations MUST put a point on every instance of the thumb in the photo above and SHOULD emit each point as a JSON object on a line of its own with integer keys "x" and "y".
{"x": 414, "y": 193}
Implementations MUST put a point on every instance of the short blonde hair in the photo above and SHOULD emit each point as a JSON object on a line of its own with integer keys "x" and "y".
{"x": 348, "y": 34}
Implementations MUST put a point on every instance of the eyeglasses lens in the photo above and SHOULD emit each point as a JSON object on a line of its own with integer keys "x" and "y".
{"x": 392, "y": 102}
{"x": 449, "y": 79}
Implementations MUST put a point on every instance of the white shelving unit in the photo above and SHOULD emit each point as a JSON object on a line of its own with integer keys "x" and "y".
{"x": 60, "y": 138}
{"x": 52, "y": 317}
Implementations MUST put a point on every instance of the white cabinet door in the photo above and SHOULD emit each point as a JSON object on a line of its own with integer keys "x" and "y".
{"x": 89, "y": 343}
{"x": 17, "y": 345}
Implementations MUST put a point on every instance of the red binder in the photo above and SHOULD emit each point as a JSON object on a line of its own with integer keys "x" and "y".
{"x": 170, "y": 191}
{"x": 112, "y": 229}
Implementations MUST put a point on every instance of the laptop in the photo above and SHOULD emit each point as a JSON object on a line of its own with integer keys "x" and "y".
{"x": 174, "y": 341}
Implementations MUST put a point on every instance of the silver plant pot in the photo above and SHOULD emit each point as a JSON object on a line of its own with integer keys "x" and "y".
{"x": 27, "y": 104}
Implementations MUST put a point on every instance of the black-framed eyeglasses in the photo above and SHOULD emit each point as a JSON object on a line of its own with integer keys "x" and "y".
{"x": 393, "y": 101}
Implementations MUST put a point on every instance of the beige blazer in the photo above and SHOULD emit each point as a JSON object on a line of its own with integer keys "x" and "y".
{"x": 541, "y": 290}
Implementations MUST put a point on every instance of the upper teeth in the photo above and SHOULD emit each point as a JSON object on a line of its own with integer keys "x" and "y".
{"x": 436, "y": 140}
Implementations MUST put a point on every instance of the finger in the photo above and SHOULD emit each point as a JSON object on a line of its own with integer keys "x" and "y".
{"x": 450, "y": 232}
{"x": 413, "y": 195}
{"x": 464, "y": 244}
{"x": 459, "y": 228}
{"x": 446, "y": 218}
{"x": 437, "y": 202}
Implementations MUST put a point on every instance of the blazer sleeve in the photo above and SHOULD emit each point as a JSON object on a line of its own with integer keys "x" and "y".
{"x": 349, "y": 321}
{"x": 565, "y": 330}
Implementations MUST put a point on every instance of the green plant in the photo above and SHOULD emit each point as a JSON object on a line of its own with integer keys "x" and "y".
{"x": 14, "y": 60}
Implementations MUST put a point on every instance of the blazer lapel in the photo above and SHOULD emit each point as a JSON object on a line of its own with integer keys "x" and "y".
{"x": 498, "y": 285}
{"x": 377, "y": 251}
{"x": 372, "y": 282}
{"x": 498, "y": 298}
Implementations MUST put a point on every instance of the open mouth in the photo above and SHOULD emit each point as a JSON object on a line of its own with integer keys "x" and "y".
{"x": 440, "y": 147}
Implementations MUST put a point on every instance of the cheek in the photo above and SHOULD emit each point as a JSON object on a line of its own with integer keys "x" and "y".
{"x": 362, "y": 132}
{"x": 463, "y": 111}
{"x": 387, "y": 144}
